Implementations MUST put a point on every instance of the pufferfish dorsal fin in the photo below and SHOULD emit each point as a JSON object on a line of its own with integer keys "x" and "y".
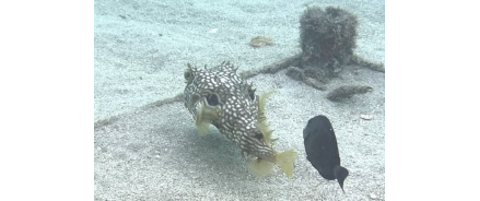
{"x": 190, "y": 73}
{"x": 262, "y": 123}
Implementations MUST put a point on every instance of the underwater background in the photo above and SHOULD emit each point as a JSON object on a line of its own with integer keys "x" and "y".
{"x": 146, "y": 144}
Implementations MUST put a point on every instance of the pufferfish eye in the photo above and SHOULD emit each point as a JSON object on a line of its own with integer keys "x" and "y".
{"x": 188, "y": 75}
{"x": 251, "y": 94}
{"x": 212, "y": 99}
{"x": 258, "y": 136}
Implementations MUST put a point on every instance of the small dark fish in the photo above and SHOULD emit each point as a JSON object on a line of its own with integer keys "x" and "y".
{"x": 322, "y": 150}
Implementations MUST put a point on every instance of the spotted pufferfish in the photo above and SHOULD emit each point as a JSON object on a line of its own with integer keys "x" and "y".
{"x": 219, "y": 97}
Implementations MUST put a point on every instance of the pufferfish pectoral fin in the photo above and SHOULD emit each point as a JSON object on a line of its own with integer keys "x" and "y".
{"x": 204, "y": 118}
{"x": 202, "y": 123}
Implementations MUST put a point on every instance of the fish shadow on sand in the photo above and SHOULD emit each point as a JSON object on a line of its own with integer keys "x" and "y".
{"x": 186, "y": 154}
{"x": 213, "y": 154}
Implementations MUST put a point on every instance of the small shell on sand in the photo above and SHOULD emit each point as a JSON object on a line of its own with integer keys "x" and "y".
{"x": 366, "y": 116}
{"x": 259, "y": 41}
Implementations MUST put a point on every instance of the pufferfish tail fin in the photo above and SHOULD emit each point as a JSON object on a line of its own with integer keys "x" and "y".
{"x": 285, "y": 161}
{"x": 203, "y": 119}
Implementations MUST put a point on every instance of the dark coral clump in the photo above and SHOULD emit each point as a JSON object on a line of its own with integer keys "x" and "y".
{"x": 327, "y": 38}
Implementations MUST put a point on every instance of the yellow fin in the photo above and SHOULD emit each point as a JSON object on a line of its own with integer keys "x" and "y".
{"x": 204, "y": 119}
{"x": 262, "y": 102}
{"x": 266, "y": 132}
{"x": 202, "y": 123}
{"x": 262, "y": 119}
{"x": 203, "y": 128}
{"x": 260, "y": 168}
{"x": 285, "y": 161}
